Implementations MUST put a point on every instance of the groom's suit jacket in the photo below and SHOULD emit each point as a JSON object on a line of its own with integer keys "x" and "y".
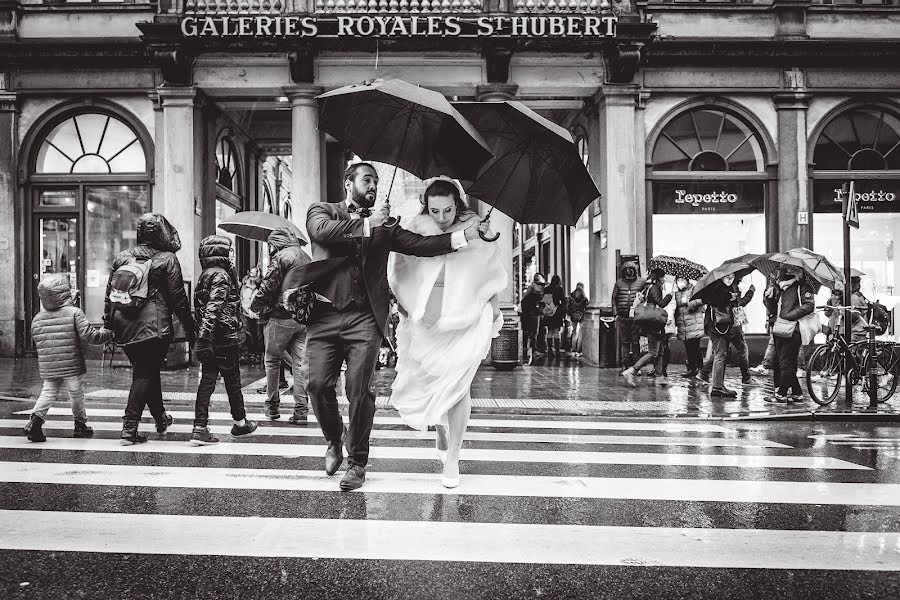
{"x": 362, "y": 277}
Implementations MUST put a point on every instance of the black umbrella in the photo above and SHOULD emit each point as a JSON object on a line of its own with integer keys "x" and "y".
{"x": 726, "y": 268}
{"x": 677, "y": 266}
{"x": 537, "y": 175}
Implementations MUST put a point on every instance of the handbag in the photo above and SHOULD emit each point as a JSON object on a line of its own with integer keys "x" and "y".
{"x": 784, "y": 328}
{"x": 810, "y": 325}
{"x": 722, "y": 319}
{"x": 649, "y": 316}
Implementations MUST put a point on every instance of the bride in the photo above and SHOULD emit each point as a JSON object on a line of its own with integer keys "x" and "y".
{"x": 449, "y": 314}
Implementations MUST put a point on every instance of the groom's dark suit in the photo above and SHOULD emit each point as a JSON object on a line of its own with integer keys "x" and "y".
{"x": 349, "y": 327}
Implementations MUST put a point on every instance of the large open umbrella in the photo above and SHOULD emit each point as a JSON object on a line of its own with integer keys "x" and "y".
{"x": 816, "y": 266}
{"x": 410, "y": 127}
{"x": 762, "y": 262}
{"x": 677, "y": 266}
{"x": 704, "y": 284}
{"x": 257, "y": 225}
{"x": 537, "y": 175}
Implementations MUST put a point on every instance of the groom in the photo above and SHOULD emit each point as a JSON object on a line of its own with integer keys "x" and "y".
{"x": 351, "y": 308}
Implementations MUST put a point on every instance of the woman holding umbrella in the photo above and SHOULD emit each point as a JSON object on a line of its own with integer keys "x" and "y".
{"x": 653, "y": 295}
{"x": 789, "y": 301}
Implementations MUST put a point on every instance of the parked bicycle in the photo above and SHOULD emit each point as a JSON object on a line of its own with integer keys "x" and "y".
{"x": 868, "y": 363}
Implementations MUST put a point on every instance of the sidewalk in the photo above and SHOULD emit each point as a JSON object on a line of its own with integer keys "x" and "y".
{"x": 565, "y": 387}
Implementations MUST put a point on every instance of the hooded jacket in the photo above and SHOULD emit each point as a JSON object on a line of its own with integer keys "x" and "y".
{"x": 797, "y": 301}
{"x": 217, "y": 299}
{"x": 60, "y": 328}
{"x": 577, "y": 305}
{"x": 157, "y": 241}
{"x": 689, "y": 315}
{"x": 555, "y": 320}
{"x": 625, "y": 291}
{"x": 286, "y": 253}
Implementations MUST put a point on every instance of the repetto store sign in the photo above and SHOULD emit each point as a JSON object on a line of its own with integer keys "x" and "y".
{"x": 296, "y": 26}
{"x": 876, "y": 196}
{"x": 714, "y": 197}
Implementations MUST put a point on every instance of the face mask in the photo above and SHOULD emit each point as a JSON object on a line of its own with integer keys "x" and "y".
{"x": 682, "y": 284}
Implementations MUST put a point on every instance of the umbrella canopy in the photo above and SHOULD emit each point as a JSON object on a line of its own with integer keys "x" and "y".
{"x": 763, "y": 263}
{"x": 726, "y": 268}
{"x": 817, "y": 267}
{"x": 401, "y": 124}
{"x": 257, "y": 225}
{"x": 537, "y": 175}
{"x": 677, "y": 266}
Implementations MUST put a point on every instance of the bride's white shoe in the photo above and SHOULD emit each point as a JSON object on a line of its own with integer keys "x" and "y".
{"x": 451, "y": 475}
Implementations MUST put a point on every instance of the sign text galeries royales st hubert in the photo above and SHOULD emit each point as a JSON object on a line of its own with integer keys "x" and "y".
{"x": 297, "y": 26}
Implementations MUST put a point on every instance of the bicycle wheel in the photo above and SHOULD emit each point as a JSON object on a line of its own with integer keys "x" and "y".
{"x": 884, "y": 366}
{"x": 824, "y": 374}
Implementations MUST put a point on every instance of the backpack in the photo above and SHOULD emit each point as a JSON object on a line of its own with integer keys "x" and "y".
{"x": 550, "y": 306}
{"x": 129, "y": 286}
{"x": 881, "y": 318}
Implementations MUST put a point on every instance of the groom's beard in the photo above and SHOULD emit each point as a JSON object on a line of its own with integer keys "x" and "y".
{"x": 360, "y": 199}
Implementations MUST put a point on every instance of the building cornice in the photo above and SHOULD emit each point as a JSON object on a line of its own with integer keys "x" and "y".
{"x": 669, "y": 52}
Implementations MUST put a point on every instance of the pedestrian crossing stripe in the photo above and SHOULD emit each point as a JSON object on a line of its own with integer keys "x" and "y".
{"x": 379, "y": 482}
{"x": 472, "y": 436}
{"x": 447, "y": 541}
{"x": 522, "y": 423}
{"x": 19, "y": 442}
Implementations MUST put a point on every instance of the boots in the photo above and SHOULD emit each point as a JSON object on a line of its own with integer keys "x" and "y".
{"x": 163, "y": 424}
{"x": 299, "y": 417}
{"x": 130, "y": 435}
{"x": 33, "y": 429}
{"x": 82, "y": 430}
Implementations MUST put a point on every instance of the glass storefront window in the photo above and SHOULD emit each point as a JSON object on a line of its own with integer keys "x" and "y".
{"x": 57, "y": 198}
{"x": 579, "y": 250}
{"x": 111, "y": 214}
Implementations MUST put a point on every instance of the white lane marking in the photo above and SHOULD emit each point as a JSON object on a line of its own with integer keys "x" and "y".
{"x": 471, "y": 454}
{"x": 688, "y": 490}
{"x": 473, "y": 422}
{"x": 450, "y": 541}
{"x": 475, "y": 436}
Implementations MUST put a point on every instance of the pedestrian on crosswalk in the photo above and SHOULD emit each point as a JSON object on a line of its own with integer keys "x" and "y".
{"x": 59, "y": 330}
{"x": 450, "y": 313}
{"x": 219, "y": 337}
{"x": 144, "y": 326}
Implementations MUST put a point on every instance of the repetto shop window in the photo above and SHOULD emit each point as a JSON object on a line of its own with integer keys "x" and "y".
{"x": 709, "y": 193}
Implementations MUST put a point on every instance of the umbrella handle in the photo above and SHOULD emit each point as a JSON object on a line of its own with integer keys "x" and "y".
{"x": 482, "y": 236}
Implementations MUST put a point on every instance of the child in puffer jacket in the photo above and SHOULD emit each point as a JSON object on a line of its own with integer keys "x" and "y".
{"x": 59, "y": 330}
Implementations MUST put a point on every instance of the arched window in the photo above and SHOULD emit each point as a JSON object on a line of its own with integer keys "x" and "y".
{"x": 88, "y": 180}
{"x": 227, "y": 165}
{"x": 268, "y": 204}
{"x": 860, "y": 144}
{"x": 709, "y": 182}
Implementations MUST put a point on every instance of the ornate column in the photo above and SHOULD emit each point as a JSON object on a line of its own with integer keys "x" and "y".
{"x": 502, "y": 348}
{"x": 10, "y": 235}
{"x": 613, "y": 147}
{"x": 181, "y": 198}
{"x": 306, "y": 145}
{"x": 793, "y": 197}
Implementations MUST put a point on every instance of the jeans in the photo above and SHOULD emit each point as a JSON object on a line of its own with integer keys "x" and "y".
{"x": 787, "y": 351}
{"x": 576, "y": 336}
{"x": 50, "y": 392}
{"x": 146, "y": 388}
{"x": 735, "y": 337}
{"x": 719, "y": 355}
{"x": 654, "y": 347}
{"x": 629, "y": 335}
{"x": 286, "y": 337}
{"x": 226, "y": 361}
{"x": 769, "y": 359}
{"x": 694, "y": 356}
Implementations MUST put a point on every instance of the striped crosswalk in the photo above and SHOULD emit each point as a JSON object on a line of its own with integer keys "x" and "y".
{"x": 535, "y": 491}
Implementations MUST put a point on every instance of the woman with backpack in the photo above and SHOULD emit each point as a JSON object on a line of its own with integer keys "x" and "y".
{"x": 554, "y": 313}
{"x": 654, "y": 331}
{"x": 145, "y": 288}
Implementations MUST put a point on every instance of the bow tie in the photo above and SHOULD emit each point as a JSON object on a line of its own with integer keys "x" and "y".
{"x": 362, "y": 212}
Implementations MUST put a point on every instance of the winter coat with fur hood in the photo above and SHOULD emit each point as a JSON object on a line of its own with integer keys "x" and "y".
{"x": 217, "y": 299}
{"x": 60, "y": 329}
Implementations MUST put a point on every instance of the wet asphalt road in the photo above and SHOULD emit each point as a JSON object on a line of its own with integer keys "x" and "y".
{"x": 549, "y": 507}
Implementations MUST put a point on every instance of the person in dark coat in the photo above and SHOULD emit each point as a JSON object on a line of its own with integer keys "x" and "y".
{"x": 531, "y": 317}
{"x": 575, "y": 309}
{"x": 625, "y": 290}
{"x": 721, "y": 298}
{"x": 59, "y": 330}
{"x": 792, "y": 299}
{"x": 284, "y": 337}
{"x": 735, "y": 336}
{"x": 220, "y": 333}
{"x": 146, "y": 333}
{"x": 653, "y": 294}
{"x": 349, "y": 318}
{"x": 554, "y": 310}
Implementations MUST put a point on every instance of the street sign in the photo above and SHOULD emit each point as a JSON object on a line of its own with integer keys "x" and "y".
{"x": 852, "y": 214}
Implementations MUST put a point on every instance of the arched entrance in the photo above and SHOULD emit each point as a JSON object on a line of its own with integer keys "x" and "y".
{"x": 87, "y": 181}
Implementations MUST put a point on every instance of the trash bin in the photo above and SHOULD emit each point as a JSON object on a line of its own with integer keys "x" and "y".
{"x": 608, "y": 341}
{"x": 505, "y": 347}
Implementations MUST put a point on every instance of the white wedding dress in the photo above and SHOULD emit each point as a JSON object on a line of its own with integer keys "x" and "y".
{"x": 449, "y": 323}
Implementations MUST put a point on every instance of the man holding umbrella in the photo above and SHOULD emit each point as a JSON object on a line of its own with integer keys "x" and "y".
{"x": 351, "y": 309}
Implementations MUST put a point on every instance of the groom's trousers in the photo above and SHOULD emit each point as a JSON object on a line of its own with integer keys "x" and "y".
{"x": 332, "y": 337}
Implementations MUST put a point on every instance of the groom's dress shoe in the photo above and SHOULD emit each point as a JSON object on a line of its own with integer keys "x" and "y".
{"x": 354, "y": 478}
{"x": 334, "y": 456}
